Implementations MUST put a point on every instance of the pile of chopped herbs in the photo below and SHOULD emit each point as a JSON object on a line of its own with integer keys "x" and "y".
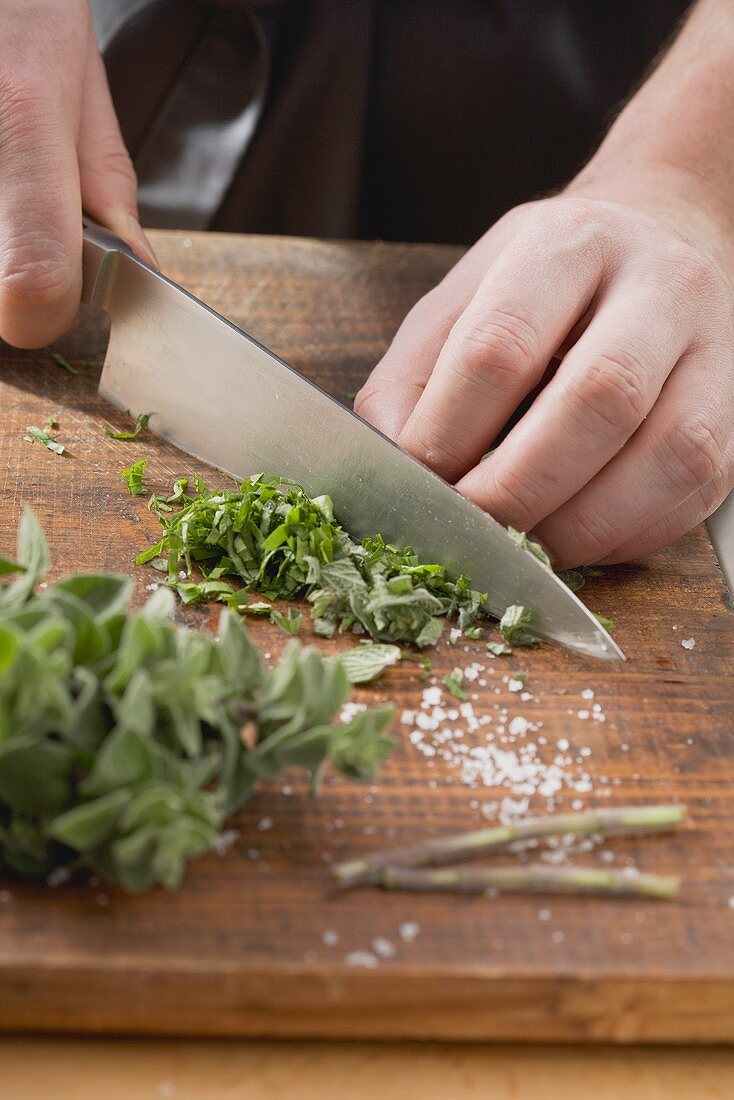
{"x": 125, "y": 742}
{"x": 270, "y": 536}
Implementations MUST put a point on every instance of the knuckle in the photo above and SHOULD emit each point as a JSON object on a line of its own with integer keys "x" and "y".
{"x": 36, "y": 278}
{"x": 425, "y": 440}
{"x": 501, "y": 344}
{"x": 520, "y": 499}
{"x": 611, "y": 393}
{"x": 693, "y": 275}
{"x": 696, "y": 450}
{"x": 111, "y": 159}
{"x": 589, "y": 534}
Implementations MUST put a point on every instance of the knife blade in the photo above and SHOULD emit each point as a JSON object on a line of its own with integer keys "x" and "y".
{"x": 222, "y": 397}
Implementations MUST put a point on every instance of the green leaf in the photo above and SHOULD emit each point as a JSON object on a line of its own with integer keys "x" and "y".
{"x": 34, "y": 434}
{"x": 521, "y": 539}
{"x": 499, "y": 649}
{"x": 105, "y": 594}
{"x": 133, "y": 477}
{"x": 141, "y": 422}
{"x": 289, "y": 622}
{"x": 514, "y": 626}
{"x": 366, "y": 662}
{"x": 603, "y": 621}
{"x": 7, "y": 567}
{"x": 63, "y": 363}
{"x": 33, "y": 557}
{"x": 86, "y": 826}
{"x": 453, "y": 682}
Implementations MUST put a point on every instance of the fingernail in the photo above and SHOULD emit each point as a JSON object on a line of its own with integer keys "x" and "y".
{"x": 138, "y": 240}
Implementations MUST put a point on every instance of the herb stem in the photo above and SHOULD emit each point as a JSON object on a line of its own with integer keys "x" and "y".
{"x": 532, "y": 879}
{"x": 635, "y": 820}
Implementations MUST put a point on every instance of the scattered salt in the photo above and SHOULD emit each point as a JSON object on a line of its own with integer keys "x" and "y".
{"x": 224, "y": 841}
{"x": 544, "y": 914}
{"x": 330, "y": 938}
{"x": 409, "y": 930}
{"x": 384, "y": 948}
{"x": 587, "y": 693}
{"x": 688, "y": 643}
{"x": 515, "y": 685}
{"x": 363, "y": 959}
{"x": 264, "y": 824}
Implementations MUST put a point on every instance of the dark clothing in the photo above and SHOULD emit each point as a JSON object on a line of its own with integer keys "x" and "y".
{"x": 394, "y": 119}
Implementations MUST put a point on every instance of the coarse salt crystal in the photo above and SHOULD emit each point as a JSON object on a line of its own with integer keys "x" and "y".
{"x": 544, "y": 914}
{"x": 264, "y": 824}
{"x": 384, "y": 948}
{"x": 364, "y": 959}
{"x": 688, "y": 643}
{"x": 587, "y": 693}
{"x": 515, "y": 685}
{"x": 409, "y": 930}
{"x": 330, "y": 938}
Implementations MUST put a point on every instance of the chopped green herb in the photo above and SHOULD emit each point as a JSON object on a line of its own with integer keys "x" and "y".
{"x": 35, "y": 434}
{"x": 499, "y": 649}
{"x": 254, "y": 608}
{"x": 350, "y": 395}
{"x": 425, "y": 672}
{"x": 453, "y": 682}
{"x": 603, "y": 621}
{"x": 133, "y": 477}
{"x": 127, "y": 742}
{"x": 61, "y": 362}
{"x": 522, "y": 540}
{"x": 141, "y": 422}
{"x": 278, "y": 541}
{"x": 575, "y": 579}
{"x": 289, "y": 622}
{"x": 514, "y": 626}
{"x": 365, "y": 662}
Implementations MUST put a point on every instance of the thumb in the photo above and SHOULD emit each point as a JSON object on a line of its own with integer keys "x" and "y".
{"x": 106, "y": 173}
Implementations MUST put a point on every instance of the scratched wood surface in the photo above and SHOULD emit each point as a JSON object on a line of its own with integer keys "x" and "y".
{"x": 256, "y": 942}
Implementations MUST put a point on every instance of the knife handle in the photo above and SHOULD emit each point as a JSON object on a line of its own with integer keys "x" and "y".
{"x": 101, "y": 252}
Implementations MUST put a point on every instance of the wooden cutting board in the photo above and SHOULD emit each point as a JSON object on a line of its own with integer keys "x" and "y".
{"x": 256, "y": 942}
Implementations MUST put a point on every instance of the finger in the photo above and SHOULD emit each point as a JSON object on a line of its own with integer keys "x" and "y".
{"x": 108, "y": 183}
{"x": 393, "y": 388}
{"x": 497, "y": 351}
{"x": 699, "y": 506}
{"x": 681, "y": 447}
{"x": 40, "y": 210}
{"x": 600, "y": 394}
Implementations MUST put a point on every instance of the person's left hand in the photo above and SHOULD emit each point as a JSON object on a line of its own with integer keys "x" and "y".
{"x": 630, "y": 442}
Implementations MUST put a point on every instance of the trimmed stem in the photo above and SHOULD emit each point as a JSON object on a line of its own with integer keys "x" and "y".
{"x": 635, "y": 820}
{"x": 532, "y": 879}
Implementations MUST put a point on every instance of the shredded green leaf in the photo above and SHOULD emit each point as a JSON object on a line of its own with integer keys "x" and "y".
{"x": 63, "y": 363}
{"x": 514, "y": 626}
{"x": 290, "y": 622}
{"x": 603, "y": 621}
{"x": 453, "y": 681}
{"x": 126, "y": 742}
{"x": 133, "y": 477}
{"x": 367, "y": 661}
{"x": 278, "y": 541}
{"x": 522, "y": 540}
{"x": 499, "y": 649}
{"x": 425, "y": 672}
{"x": 141, "y": 422}
{"x": 34, "y": 434}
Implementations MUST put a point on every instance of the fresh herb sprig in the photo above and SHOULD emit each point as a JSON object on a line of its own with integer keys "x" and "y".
{"x": 126, "y": 742}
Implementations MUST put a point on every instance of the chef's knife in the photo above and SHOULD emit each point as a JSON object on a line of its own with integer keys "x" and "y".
{"x": 222, "y": 397}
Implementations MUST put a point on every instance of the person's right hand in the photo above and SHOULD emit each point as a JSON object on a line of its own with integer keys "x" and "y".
{"x": 60, "y": 151}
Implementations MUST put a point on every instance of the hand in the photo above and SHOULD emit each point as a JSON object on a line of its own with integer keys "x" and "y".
{"x": 60, "y": 150}
{"x": 630, "y": 441}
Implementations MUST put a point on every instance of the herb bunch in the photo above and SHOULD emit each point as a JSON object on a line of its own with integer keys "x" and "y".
{"x": 270, "y": 535}
{"x": 126, "y": 742}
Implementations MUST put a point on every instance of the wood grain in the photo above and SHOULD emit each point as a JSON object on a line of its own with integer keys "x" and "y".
{"x": 240, "y": 948}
